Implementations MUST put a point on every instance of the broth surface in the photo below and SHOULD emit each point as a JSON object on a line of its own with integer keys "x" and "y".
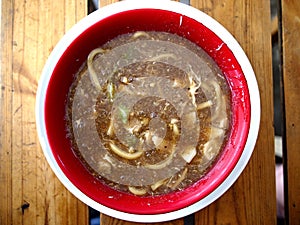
{"x": 148, "y": 113}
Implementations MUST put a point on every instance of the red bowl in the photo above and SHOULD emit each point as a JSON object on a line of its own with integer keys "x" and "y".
{"x": 121, "y": 18}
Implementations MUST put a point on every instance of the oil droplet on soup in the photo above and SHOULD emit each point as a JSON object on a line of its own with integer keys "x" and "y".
{"x": 148, "y": 113}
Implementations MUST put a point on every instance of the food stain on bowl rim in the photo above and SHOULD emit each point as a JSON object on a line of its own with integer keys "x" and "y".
{"x": 239, "y": 74}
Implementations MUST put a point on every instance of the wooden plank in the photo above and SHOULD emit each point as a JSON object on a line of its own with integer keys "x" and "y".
{"x": 251, "y": 200}
{"x": 104, "y": 219}
{"x": 29, "y": 31}
{"x": 290, "y": 19}
{"x": 274, "y": 25}
{"x": 5, "y": 112}
{"x": 102, "y": 3}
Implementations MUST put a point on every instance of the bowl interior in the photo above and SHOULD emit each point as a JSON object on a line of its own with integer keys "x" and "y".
{"x": 73, "y": 58}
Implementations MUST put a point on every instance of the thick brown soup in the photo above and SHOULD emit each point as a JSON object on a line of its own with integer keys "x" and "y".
{"x": 148, "y": 113}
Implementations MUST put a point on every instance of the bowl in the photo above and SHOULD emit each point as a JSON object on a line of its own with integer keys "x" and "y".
{"x": 129, "y": 16}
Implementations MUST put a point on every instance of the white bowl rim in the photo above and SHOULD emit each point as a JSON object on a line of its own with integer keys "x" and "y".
{"x": 182, "y": 9}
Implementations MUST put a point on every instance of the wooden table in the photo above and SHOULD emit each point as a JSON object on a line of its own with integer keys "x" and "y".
{"x": 29, "y": 191}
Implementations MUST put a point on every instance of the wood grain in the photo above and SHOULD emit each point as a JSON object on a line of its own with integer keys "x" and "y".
{"x": 104, "y": 219}
{"x": 251, "y": 200}
{"x": 106, "y": 2}
{"x": 5, "y": 114}
{"x": 290, "y": 13}
{"x": 29, "y": 31}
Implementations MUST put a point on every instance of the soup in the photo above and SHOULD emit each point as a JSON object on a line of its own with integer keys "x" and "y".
{"x": 148, "y": 113}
